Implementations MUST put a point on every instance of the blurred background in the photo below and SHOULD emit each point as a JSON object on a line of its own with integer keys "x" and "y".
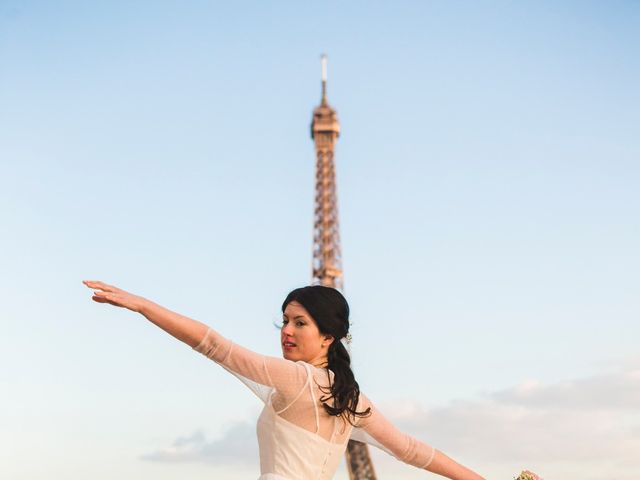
{"x": 487, "y": 176}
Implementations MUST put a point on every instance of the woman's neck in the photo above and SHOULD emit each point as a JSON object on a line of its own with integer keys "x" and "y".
{"x": 321, "y": 362}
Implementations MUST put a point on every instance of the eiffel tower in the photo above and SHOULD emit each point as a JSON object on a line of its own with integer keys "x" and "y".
{"x": 327, "y": 258}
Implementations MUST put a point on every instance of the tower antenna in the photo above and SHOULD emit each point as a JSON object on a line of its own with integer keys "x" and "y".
{"x": 323, "y": 63}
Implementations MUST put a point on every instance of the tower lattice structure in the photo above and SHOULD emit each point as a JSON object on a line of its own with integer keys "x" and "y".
{"x": 327, "y": 258}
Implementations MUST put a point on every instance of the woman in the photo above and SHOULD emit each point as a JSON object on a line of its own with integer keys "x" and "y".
{"x": 313, "y": 405}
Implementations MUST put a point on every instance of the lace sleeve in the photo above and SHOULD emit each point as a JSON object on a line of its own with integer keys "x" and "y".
{"x": 262, "y": 374}
{"x": 376, "y": 430}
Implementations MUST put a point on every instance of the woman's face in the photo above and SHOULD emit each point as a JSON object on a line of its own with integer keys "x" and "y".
{"x": 300, "y": 337}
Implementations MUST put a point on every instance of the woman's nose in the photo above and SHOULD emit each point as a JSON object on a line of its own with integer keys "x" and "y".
{"x": 287, "y": 330}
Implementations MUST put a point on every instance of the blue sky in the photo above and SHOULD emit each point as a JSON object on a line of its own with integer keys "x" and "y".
{"x": 488, "y": 187}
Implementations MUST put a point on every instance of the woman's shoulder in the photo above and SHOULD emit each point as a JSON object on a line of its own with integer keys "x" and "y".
{"x": 321, "y": 371}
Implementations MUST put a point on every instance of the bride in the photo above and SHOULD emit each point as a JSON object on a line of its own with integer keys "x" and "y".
{"x": 313, "y": 404}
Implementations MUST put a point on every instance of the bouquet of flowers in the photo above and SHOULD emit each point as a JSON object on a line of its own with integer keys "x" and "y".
{"x": 527, "y": 475}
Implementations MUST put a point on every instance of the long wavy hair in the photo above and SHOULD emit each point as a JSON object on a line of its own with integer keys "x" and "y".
{"x": 330, "y": 310}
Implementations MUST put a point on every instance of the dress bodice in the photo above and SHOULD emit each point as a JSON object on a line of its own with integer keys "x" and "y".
{"x": 293, "y": 453}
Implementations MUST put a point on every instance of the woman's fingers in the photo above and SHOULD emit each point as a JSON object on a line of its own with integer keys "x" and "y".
{"x": 104, "y": 293}
{"x": 95, "y": 298}
{"x": 97, "y": 285}
{"x": 104, "y": 300}
{"x": 108, "y": 297}
{"x": 118, "y": 298}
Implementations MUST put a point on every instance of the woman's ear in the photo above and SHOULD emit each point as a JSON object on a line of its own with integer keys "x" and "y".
{"x": 328, "y": 340}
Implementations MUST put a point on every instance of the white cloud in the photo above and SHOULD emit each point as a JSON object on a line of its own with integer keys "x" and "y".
{"x": 238, "y": 444}
{"x": 586, "y": 428}
{"x": 611, "y": 392}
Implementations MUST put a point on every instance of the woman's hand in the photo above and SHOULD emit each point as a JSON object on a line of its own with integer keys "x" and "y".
{"x": 183, "y": 328}
{"x": 109, "y": 294}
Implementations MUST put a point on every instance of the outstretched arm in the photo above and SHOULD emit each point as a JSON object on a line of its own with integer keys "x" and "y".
{"x": 448, "y": 467}
{"x": 407, "y": 448}
{"x": 286, "y": 376}
{"x": 183, "y": 328}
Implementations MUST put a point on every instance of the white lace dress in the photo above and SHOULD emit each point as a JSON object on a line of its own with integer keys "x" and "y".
{"x": 298, "y": 439}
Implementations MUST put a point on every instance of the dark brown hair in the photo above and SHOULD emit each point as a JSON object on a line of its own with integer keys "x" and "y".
{"x": 330, "y": 310}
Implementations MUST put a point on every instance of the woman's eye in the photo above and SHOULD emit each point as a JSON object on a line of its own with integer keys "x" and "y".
{"x": 299, "y": 324}
{"x": 285, "y": 321}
